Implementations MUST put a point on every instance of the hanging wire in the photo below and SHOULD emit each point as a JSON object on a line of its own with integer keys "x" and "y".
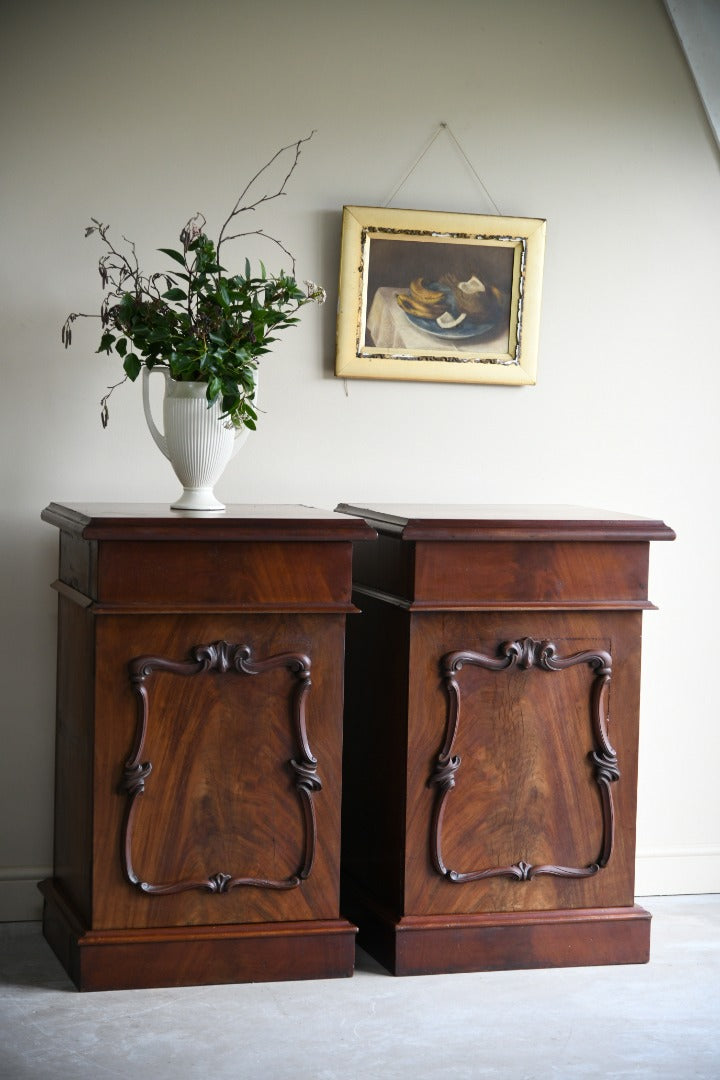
{"x": 415, "y": 164}
{"x": 472, "y": 168}
{"x": 444, "y": 126}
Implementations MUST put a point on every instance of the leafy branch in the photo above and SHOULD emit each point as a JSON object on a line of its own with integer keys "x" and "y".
{"x": 196, "y": 320}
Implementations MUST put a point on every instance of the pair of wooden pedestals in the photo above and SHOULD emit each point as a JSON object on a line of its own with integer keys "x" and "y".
{"x": 488, "y": 781}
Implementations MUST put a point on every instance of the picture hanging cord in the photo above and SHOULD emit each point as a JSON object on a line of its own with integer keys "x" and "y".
{"x": 444, "y": 126}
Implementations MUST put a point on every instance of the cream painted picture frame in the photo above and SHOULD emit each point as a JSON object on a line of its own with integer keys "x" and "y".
{"x": 440, "y": 297}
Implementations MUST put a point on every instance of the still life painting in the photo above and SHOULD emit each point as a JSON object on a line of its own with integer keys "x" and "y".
{"x": 437, "y": 296}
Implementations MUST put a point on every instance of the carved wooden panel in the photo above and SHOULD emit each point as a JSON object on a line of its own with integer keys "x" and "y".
{"x": 231, "y": 661}
{"x": 525, "y": 654}
{"x": 483, "y": 822}
{"x": 195, "y": 841}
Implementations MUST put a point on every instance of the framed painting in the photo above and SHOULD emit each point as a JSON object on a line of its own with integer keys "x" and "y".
{"x": 439, "y": 297}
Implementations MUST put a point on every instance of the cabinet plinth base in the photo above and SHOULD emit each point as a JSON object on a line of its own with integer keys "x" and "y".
{"x": 501, "y": 941}
{"x": 195, "y": 955}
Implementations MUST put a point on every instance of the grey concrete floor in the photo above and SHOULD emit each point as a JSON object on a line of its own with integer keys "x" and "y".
{"x": 654, "y": 1021}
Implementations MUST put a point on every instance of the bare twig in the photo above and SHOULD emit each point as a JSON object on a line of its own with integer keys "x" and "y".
{"x": 239, "y": 209}
{"x": 266, "y": 236}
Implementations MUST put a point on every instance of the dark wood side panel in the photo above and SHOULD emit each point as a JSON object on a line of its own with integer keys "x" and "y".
{"x": 387, "y": 566}
{"x": 78, "y": 564}
{"x": 375, "y": 750}
{"x": 74, "y": 745}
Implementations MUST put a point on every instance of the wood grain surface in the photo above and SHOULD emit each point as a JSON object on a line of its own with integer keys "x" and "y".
{"x": 199, "y": 741}
{"x": 491, "y": 736}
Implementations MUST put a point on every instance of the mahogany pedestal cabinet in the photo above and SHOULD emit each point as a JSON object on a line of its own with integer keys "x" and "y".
{"x": 199, "y": 744}
{"x": 491, "y": 731}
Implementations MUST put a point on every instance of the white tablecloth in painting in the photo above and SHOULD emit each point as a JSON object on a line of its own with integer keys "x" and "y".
{"x": 390, "y": 328}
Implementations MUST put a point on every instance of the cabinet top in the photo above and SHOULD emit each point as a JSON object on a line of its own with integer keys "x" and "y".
{"x": 438, "y": 521}
{"x": 251, "y": 521}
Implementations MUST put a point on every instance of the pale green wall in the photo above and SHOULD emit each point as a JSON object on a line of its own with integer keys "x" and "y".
{"x": 584, "y": 113}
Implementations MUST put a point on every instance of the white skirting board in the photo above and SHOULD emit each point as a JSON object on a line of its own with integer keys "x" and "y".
{"x": 20, "y": 900}
{"x": 666, "y": 872}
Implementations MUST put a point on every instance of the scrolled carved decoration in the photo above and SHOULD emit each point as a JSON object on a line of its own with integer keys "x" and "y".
{"x": 525, "y": 654}
{"x": 222, "y": 657}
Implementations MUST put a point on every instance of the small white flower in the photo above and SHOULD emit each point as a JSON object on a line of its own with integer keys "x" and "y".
{"x": 315, "y": 292}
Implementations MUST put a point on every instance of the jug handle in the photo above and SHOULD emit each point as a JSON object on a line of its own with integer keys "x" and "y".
{"x": 157, "y": 436}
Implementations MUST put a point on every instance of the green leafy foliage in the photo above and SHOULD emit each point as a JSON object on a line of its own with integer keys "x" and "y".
{"x": 198, "y": 320}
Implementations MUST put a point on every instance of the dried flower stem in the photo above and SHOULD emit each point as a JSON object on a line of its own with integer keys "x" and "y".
{"x": 104, "y": 411}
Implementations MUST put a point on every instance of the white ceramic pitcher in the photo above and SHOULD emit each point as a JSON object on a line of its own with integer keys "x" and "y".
{"x": 197, "y": 443}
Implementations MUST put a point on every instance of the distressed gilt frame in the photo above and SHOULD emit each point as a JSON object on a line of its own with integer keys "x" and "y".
{"x": 518, "y": 242}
